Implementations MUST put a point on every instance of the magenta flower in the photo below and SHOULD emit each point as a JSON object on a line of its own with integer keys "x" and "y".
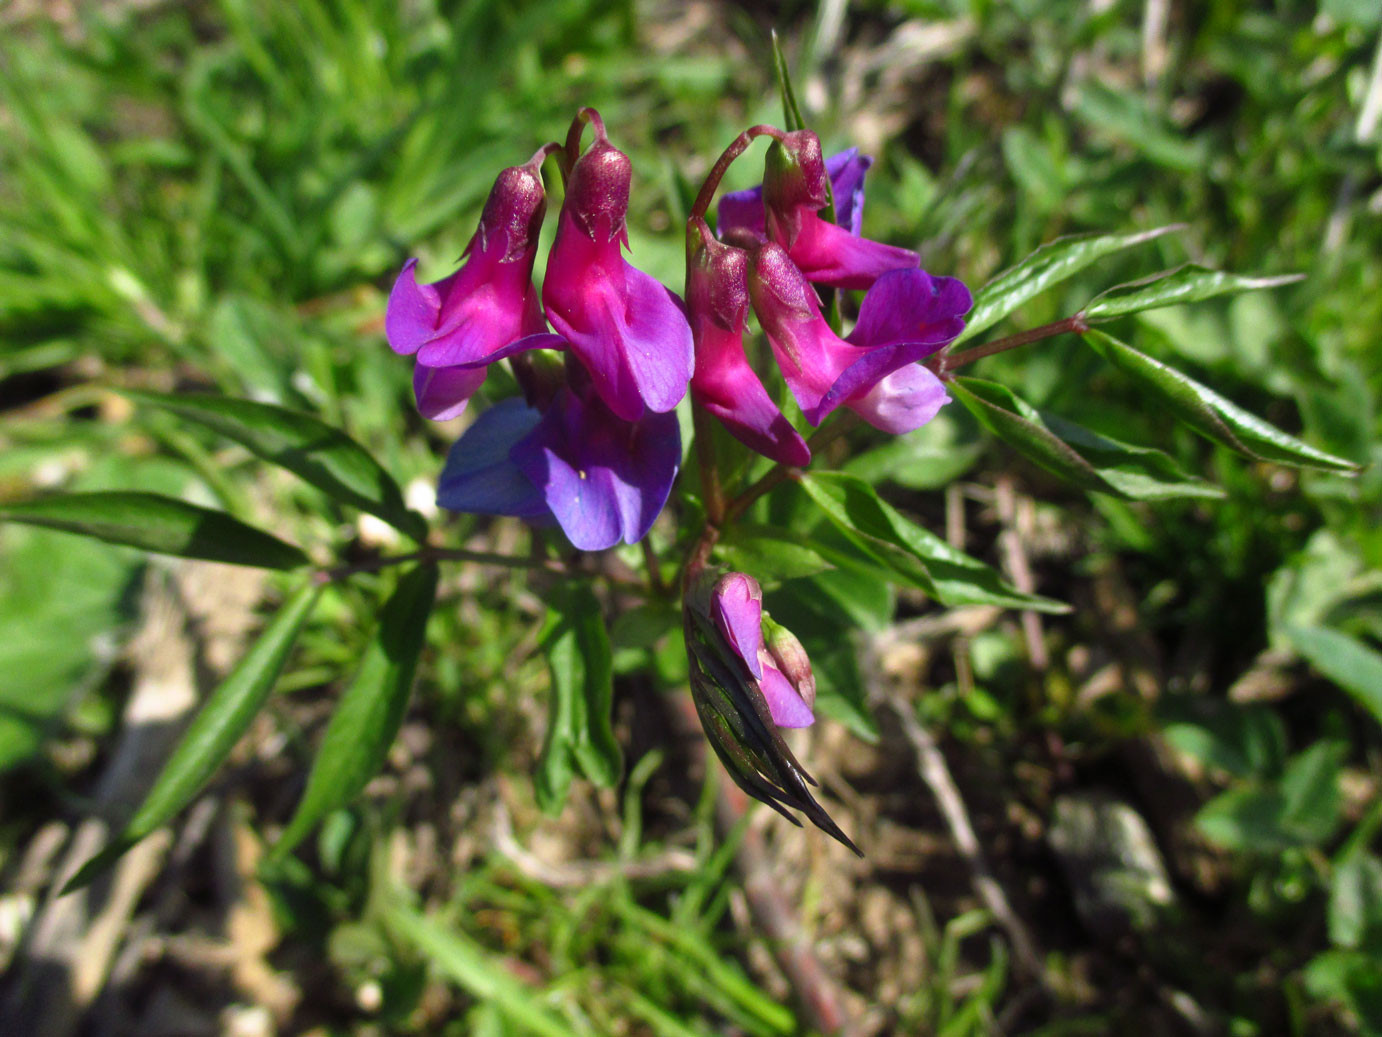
{"x": 906, "y": 316}
{"x": 743, "y": 210}
{"x": 795, "y": 189}
{"x": 780, "y": 667}
{"x": 717, "y": 298}
{"x": 626, "y": 328}
{"x": 486, "y": 310}
{"x": 600, "y": 478}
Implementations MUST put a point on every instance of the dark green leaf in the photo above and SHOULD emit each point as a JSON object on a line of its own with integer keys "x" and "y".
{"x": 163, "y": 525}
{"x": 1247, "y": 741}
{"x": 1345, "y": 660}
{"x": 769, "y": 554}
{"x": 1049, "y": 265}
{"x": 371, "y": 710}
{"x": 209, "y": 739}
{"x": 1210, "y": 414}
{"x": 914, "y": 553}
{"x": 1185, "y": 284}
{"x": 1077, "y": 454}
{"x": 579, "y": 730}
{"x": 308, "y": 447}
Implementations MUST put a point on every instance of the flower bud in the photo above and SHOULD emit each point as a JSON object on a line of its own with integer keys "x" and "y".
{"x": 795, "y": 182}
{"x": 790, "y": 658}
{"x": 597, "y": 192}
{"x": 729, "y": 673}
{"x": 724, "y": 382}
{"x": 513, "y": 214}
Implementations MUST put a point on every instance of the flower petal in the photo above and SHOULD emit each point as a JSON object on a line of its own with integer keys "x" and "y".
{"x": 741, "y": 211}
{"x": 627, "y": 329}
{"x": 603, "y": 478}
{"x": 829, "y": 254}
{"x": 905, "y": 400}
{"x": 443, "y": 392}
{"x": 480, "y": 478}
{"x": 737, "y": 607}
{"x": 411, "y": 317}
{"x": 788, "y": 709}
{"x": 846, "y": 170}
{"x": 493, "y": 313}
{"x": 642, "y": 462}
{"x": 727, "y": 386}
{"x": 911, "y": 306}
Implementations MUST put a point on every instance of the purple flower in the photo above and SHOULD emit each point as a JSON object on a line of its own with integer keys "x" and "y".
{"x": 743, "y": 210}
{"x": 626, "y": 328}
{"x": 797, "y": 183}
{"x": 717, "y": 298}
{"x": 600, "y": 478}
{"x": 486, "y": 310}
{"x": 906, "y": 316}
{"x": 780, "y": 667}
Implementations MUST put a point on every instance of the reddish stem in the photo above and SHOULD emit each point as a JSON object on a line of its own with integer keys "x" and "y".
{"x": 950, "y": 361}
{"x": 573, "y": 135}
{"x": 736, "y": 148}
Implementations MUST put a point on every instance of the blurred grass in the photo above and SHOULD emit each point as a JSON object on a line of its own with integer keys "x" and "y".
{"x": 218, "y": 194}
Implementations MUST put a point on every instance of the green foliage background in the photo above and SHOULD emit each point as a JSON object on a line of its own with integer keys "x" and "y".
{"x": 216, "y": 196}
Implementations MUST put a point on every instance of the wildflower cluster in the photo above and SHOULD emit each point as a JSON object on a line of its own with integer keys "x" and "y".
{"x": 605, "y": 354}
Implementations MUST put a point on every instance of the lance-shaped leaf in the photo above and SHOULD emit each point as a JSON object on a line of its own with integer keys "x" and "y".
{"x": 224, "y": 718}
{"x": 1077, "y": 454}
{"x": 771, "y": 554}
{"x": 916, "y": 554}
{"x": 1210, "y": 414}
{"x": 579, "y": 730}
{"x": 1185, "y": 284}
{"x": 306, "y": 446}
{"x": 371, "y": 710}
{"x": 1345, "y": 660}
{"x": 791, "y": 111}
{"x": 1049, "y": 265}
{"x": 163, "y": 525}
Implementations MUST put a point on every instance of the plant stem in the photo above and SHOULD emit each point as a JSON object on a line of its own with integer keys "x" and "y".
{"x": 442, "y": 554}
{"x": 950, "y": 361}
{"x": 711, "y": 489}
{"x": 844, "y": 423}
{"x": 736, "y": 148}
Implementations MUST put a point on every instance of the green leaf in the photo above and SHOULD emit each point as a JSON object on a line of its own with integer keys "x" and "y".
{"x": 1310, "y": 787}
{"x": 213, "y": 734}
{"x": 914, "y": 553}
{"x": 308, "y": 447}
{"x": 1246, "y": 817}
{"x": 1049, "y": 265}
{"x": 579, "y": 730}
{"x": 477, "y": 971}
{"x": 1186, "y": 284}
{"x": 927, "y": 458}
{"x": 1077, "y": 454}
{"x": 769, "y": 554}
{"x": 1210, "y": 414}
{"x": 791, "y": 112}
{"x": 1345, "y": 660}
{"x": 1247, "y": 741}
{"x": 371, "y": 710}
{"x": 163, "y": 525}
{"x": 1350, "y": 977}
{"x": 1355, "y": 902}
